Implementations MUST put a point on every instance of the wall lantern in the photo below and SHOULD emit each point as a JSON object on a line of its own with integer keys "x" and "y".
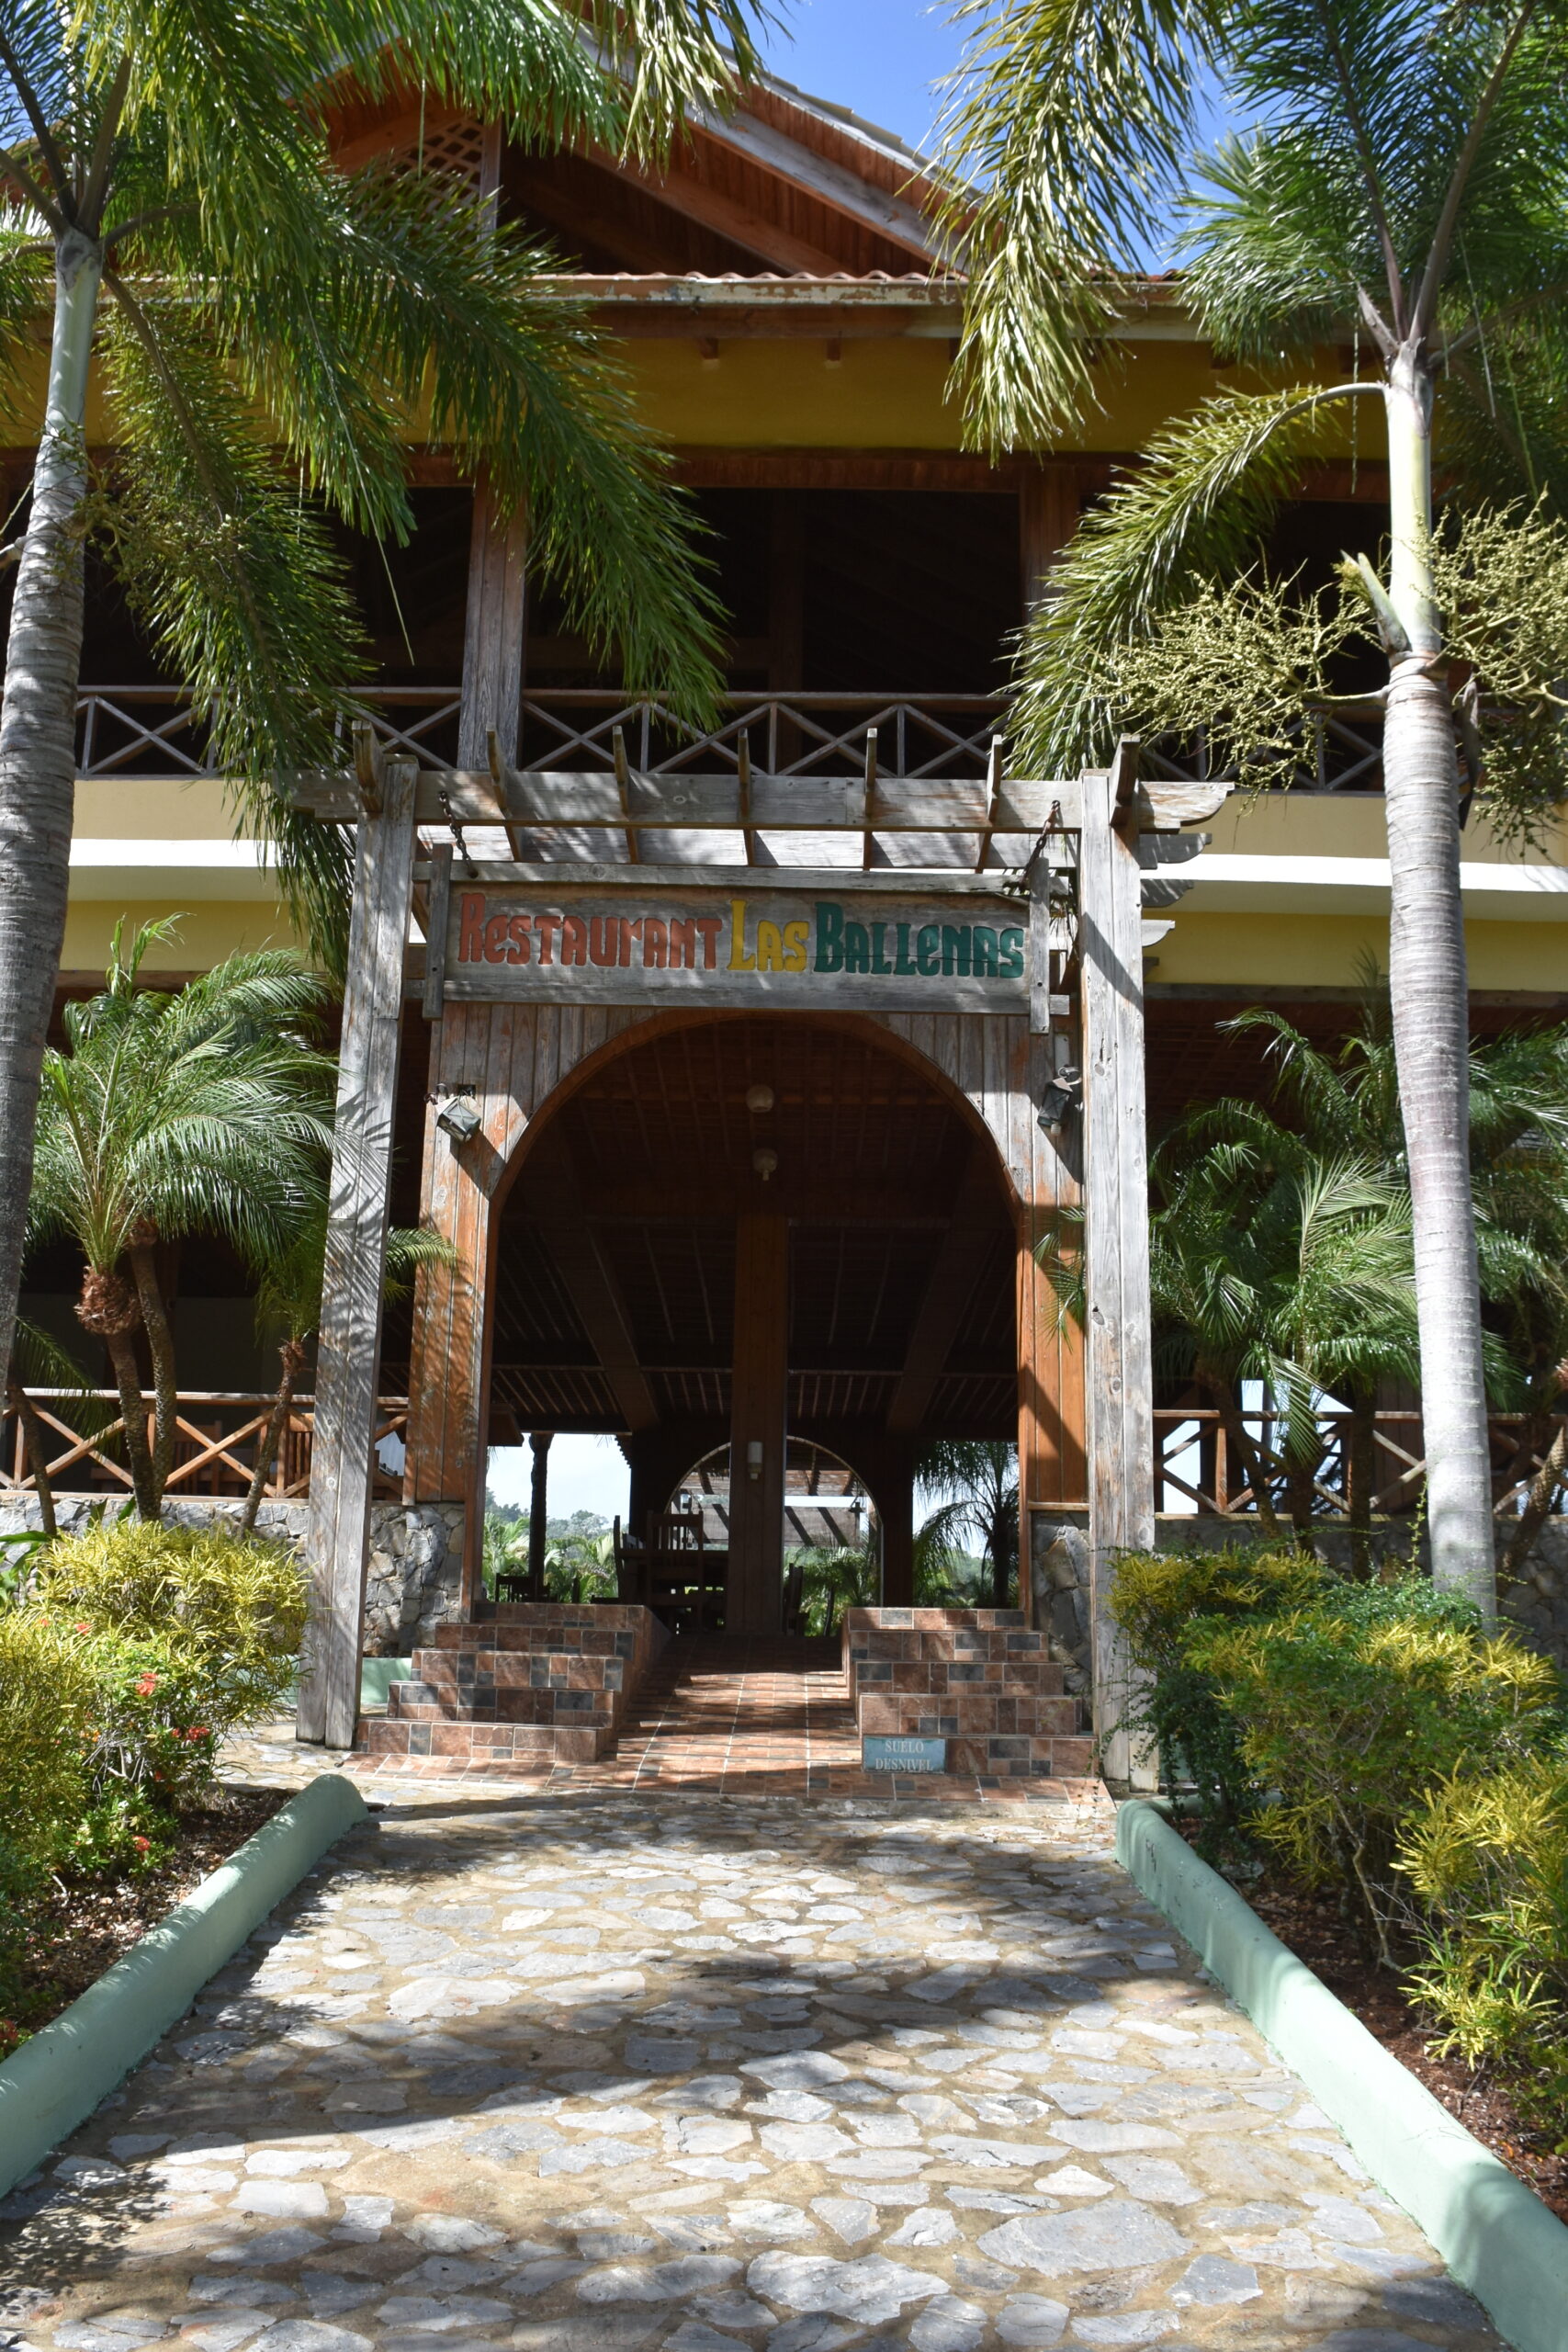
{"x": 459, "y": 1119}
{"x": 1060, "y": 1100}
{"x": 754, "y": 1458}
{"x": 765, "y": 1162}
{"x": 759, "y": 1099}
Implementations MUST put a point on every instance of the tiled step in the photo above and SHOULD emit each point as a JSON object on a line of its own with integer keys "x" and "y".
{"x": 553, "y": 1682}
{"x": 980, "y": 1679}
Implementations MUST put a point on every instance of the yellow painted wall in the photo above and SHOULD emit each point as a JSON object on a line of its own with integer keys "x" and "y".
{"x": 209, "y": 930}
{"x": 887, "y": 393}
{"x": 1280, "y": 950}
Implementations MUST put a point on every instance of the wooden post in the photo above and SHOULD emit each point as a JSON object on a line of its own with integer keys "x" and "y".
{"x": 1116, "y": 1234}
{"x": 350, "y": 1343}
{"x": 495, "y": 631}
{"x": 895, "y": 1500}
{"x": 539, "y": 1510}
{"x": 1048, "y": 505}
{"x": 758, "y": 1410}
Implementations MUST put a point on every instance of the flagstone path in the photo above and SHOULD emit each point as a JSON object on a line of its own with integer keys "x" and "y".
{"x": 591, "y": 2072}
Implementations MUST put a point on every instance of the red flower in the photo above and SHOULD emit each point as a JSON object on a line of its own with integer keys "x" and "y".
{"x": 143, "y": 1844}
{"x": 83, "y": 1626}
{"x": 199, "y": 1731}
{"x": 148, "y": 1684}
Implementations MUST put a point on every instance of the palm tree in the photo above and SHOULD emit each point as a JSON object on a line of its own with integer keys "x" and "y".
{"x": 1346, "y": 1100}
{"x": 289, "y": 1292}
{"x": 1274, "y": 1260}
{"x": 1396, "y": 191}
{"x": 253, "y": 329}
{"x": 207, "y": 1110}
{"x": 976, "y": 1480}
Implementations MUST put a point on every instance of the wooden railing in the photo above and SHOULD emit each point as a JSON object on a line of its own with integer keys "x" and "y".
{"x": 152, "y": 730}
{"x": 215, "y": 1435}
{"x": 1196, "y": 1467}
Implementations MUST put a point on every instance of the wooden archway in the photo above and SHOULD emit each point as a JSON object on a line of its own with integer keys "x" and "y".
{"x": 1005, "y": 1050}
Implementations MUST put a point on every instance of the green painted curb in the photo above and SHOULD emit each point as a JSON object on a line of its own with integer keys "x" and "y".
{"x": 52, "y": 2082}
{"x": 1495, "y": 2235}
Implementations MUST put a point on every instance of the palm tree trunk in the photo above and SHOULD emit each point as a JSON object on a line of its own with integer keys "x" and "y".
{"x": 292, "y": 1357}
{"x": 161, "y": 1347}
{"x": 108, "y": 1308}
{"x": 22, "y": 1405}
{"x": 1542, "y": 1494}
{"x": 37, "y": 747}
{"x": 1429, "y": 985}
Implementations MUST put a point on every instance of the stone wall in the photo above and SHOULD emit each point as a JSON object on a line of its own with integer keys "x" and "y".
{"x": 1537, "y": 1603}
{"x": 415, "y": 1578}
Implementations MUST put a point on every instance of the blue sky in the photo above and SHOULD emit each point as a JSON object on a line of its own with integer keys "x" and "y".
{"x": 878, "y": 56}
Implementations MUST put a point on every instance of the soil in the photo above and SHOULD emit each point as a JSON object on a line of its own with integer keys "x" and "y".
{"x": 1310, "y": 1924}
{"x": 93, "y": 1922}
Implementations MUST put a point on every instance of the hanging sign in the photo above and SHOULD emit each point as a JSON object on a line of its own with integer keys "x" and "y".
{"x": 882, "y": 950}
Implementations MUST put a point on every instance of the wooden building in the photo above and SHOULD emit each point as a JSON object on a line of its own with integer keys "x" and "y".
{"x": 732, "y": 1213}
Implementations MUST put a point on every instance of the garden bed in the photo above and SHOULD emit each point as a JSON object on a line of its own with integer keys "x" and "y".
{"x": 89, "y": 1922}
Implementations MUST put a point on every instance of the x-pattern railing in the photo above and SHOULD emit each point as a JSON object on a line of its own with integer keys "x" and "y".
{"x": 216, "y": 1436}
{"x": 1194, "y": 1458}
{"x": 152, "y": 730}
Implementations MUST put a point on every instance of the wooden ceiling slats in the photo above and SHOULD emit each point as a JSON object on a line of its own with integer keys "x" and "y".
{"x": 873, "y": 1162}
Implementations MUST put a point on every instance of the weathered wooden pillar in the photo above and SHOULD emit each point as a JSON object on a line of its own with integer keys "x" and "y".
{"x": 1116, "y": 1231}
{"x": 349, "y": 1348}
{"x": 758, "y": 1412}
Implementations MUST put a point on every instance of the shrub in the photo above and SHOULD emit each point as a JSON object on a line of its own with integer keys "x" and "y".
{"x": 1488, "y": 1860}
{"x": 226, "y": 1611}
{"x": 1161, "y": 1601}
{"x": 1351, "y": 1709}
{"x": 46, "y": 1698}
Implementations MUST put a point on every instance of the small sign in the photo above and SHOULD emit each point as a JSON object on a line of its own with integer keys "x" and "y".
{"x": 881, "y": 1753}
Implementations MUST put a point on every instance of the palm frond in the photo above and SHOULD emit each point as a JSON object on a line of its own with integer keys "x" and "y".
{"x": 1064, "y": 135}
{"x": 1194, "y": 511}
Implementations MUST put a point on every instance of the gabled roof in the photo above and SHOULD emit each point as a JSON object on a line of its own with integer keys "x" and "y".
{"x": 786, "y": 183}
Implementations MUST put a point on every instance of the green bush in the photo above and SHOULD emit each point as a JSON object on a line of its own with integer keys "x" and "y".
{"x": 47, "y": 1693}
{"x": 1352, "y": 1709}
{"x": 226, "y": 1612}
{"x": 1487, "y": 1858}
{"x": 1159, "y": 1599}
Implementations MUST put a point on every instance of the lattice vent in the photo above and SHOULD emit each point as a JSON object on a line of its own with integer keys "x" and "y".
{"x": 457, "y": 148}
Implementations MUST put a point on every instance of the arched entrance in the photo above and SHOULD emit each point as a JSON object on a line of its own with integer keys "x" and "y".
{"x": 990, "y": 935}
{"x": 734, "y": 1231}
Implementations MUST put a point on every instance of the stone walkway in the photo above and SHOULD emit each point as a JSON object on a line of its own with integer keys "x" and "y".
{"x": 590, "y": 2073}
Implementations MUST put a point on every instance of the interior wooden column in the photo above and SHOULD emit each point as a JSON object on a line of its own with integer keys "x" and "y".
{"x": 1048, "y": 505}
{"x": 758, "y": 1411}
{"x": 895, "y": 1516}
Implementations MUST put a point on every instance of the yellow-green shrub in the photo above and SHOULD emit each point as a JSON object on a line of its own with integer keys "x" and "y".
{"x": 1487, "y": 1857}
{"x": 1161, "y": 1601}
{"x": 1352, "y": 1710}
{"x": 47, "y": 1691}
{"x": 232, "y": 1607}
